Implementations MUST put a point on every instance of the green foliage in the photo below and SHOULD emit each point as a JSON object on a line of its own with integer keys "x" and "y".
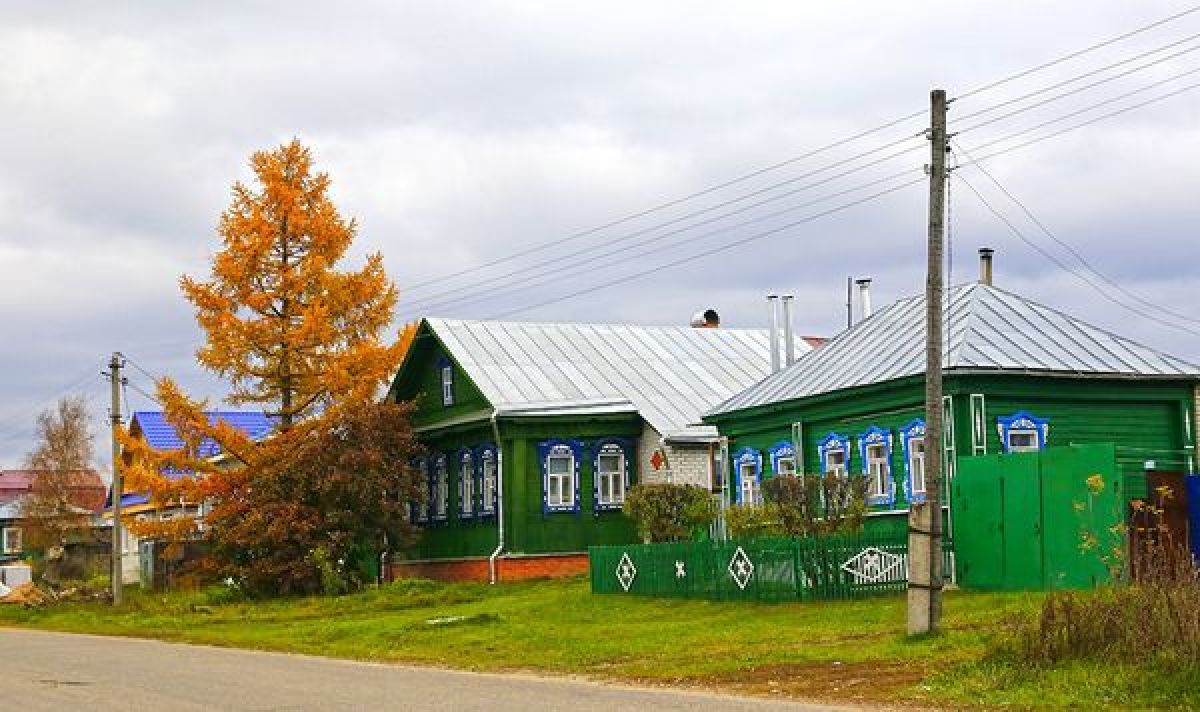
{"x": 811, "y": 505}
{"x": 669, "y": 512}
{"x": 748, "y": 521}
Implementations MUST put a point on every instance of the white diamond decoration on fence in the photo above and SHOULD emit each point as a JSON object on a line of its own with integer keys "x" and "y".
{"x": 626, "y": 572}
{"x": 680, "y": 571}
{"x": 873, "y": 565}
{"x": 741, "y": 568}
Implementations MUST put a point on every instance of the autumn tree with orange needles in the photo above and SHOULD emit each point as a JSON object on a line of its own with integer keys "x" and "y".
{"x": 294, "y": 335}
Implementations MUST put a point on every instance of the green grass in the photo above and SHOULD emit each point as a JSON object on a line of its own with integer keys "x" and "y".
{"x": 850, "y": 651}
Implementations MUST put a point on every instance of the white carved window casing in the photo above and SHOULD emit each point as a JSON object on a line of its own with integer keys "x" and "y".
{"x": 441, "y": 488}
{"x": 785, "y": 466}
{"x": 835, "y": 462}
{"x": 466, "y": 476}
{"x": 487, "y": 463}
{"x": 560, "y": 478}
{"x": 610, "y": 475}
{"x": 751, "y": 488}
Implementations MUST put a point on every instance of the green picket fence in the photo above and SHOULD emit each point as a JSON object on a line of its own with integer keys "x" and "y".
{"x": 818, "y": 568}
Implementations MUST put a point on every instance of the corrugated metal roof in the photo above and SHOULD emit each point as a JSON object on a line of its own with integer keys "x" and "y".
{"x": 985, "y": 328}
{"x": 669, "y": 375}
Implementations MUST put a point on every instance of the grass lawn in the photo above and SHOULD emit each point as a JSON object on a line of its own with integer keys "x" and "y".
{"x": 851, "y": 651}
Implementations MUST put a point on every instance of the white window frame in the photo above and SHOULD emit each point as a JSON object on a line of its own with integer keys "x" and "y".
{"x": 488, "y": 460}
{"x": 1032, "y": 434}
{"x": 916, "y": 463}
{"x": 466, "y": 475}
{"x": 789, "y": 470}
{"x": 613, "y": 478}
{"x": 560, "y": 486}
{"x": 748, "y": 474}
{"x": 441, "y": 487}
{"x": 839, "y": 469}
{"x": 447, "y": 384}
{"x": 9, "y": 534}
{"x": 878, "y": 470}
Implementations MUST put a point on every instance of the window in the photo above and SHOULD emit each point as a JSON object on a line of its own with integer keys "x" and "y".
{"x": 916, "y": 466}
{"x": 876, "y": 449}
{"x": 835, "y": 462}
{"x": 560, "y": 479}
{"x": 421, "y": 509}
{"x": 466, "y": 484}
{"x": 751, "y": 492}
{"x": 1022, "y": 432}
{"x": 447, "y": 383}
{"x": 786, "y": 466}
{"x": 487, "y": 485}
{"x": 12, "y": 540}
{"x": 783, "y": 459}
{"x": 610, "y": 476}
{"x": 440, "y": 488}
{"x": 748, "y": 466}
{"x": 877, "y": 471}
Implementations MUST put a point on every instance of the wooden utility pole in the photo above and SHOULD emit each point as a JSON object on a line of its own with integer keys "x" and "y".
{"x": 925, "y": 520}
{"x": 114, "y": 377}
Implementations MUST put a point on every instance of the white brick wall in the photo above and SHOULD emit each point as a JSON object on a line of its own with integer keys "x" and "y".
{"x": 686, "y": 464}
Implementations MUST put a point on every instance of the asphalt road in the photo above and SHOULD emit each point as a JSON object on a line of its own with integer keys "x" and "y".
{"x": 56, "y": 671}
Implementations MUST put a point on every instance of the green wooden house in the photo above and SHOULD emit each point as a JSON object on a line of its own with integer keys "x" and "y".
{"x": 536, "y": 432}
{"x": 1018, "y": 376}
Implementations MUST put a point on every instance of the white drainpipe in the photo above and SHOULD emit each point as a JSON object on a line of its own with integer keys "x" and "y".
{"x": 499, "y": 501}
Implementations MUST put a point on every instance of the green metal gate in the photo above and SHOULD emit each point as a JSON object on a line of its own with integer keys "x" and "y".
{"x": 1041, "y": 520}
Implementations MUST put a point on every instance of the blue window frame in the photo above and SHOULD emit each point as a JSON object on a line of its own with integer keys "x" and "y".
{"x": 912, "y": 439}
{"x": 487, "y": 470}
{"x": 560, "y": 475}
{"x": 1022, "y": 432}
{"x": 834, "y": 451}
{"x": 421, "y": 509}
{"x": 875, "y": 449}
{"x": 783, "y": 459}
{"x": 611, "y": 473}
{"x": 466, "y": 484}
{"x": 747, "y": 472}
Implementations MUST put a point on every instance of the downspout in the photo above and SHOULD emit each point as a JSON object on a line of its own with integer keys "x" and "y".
{"x": 499, "y": 501}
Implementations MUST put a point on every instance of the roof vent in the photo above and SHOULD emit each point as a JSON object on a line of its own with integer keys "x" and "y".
{"x": 707, "y": 319}
{"x": 985, "y": 265}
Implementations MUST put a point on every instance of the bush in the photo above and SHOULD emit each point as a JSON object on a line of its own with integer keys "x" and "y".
{"x": 669, "y": 512}
{"x": 751, "y": 521}
{"x": 810, "y": 505}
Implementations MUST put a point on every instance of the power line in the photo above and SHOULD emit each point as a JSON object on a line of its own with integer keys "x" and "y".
{"x": 1066, "y": 268}
{"x": 1068, "y": 247}
{"x": 721, "y": 248}
{"x": 1078, "y": 53}
{"x": 625, "y": 255}
{"x": 7, "y": 423}
{"x": 433, "y": 300}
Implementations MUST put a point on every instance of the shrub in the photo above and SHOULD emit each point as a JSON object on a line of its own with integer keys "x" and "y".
{"x": 812, "y": 505}
{"x": 751, "y": 521}
{"x": 669, "y": 512}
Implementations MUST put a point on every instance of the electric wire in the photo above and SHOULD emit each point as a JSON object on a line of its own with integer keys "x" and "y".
{"x": 621, "y": 252}
{"x": 795, "y": 159}
{"x": 7, "y": 425}
{"x": 1067, "y": 268}
{"x": 1067, "y": 246}
{"x": 1079, "y": 53}
{"x": 712, "y": 251}
{"x": 624, "y": 255}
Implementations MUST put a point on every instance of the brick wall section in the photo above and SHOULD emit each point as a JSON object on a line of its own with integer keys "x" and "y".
{"x": 510, "y": 568}
{"x": 687, "y": 464}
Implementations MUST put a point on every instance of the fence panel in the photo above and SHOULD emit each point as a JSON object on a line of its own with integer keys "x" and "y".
{"x": 819, "y": 568}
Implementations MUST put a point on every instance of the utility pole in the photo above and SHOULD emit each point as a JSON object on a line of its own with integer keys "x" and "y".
{"x": 925, "y": 520}
{"x": 114, "y": 377}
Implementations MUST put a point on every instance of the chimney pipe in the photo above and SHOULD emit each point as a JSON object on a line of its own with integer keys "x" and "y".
{"x": 864, "y": 295}
{"x": 773, "y": 304}
{"x": 789, "y": 343}
{"x": 985, "y": 265}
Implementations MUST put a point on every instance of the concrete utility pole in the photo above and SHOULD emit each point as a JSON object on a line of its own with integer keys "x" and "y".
{"x": 925, "y": 520}
{"x": 114, "y": 377}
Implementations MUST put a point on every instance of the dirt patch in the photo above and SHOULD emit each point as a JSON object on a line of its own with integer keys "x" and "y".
{"x": 891, "y": 684}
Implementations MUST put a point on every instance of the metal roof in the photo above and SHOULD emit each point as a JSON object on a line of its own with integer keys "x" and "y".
{"x": 986, "y": 328}
{"x": 161, "y": 435}
{"x": 669, "y": 375}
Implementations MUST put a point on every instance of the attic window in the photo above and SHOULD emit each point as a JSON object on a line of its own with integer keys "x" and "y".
{"x": 447, "y": 383}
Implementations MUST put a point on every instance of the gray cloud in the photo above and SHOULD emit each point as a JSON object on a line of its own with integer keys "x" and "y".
{"x": 458, "y": 134}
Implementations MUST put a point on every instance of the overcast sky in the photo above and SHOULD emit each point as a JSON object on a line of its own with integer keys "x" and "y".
{"x": 460, "y": 133}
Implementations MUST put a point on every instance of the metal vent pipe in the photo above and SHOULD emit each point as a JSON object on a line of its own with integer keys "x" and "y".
{"x": 985, "y": 265}
{"x": 773, "y": 322}
{"x": 789, "y": 343}
{"x": 864, "y": 295}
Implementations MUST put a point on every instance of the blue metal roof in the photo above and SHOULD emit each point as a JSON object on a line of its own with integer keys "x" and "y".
{"x": 161, "y": 435}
